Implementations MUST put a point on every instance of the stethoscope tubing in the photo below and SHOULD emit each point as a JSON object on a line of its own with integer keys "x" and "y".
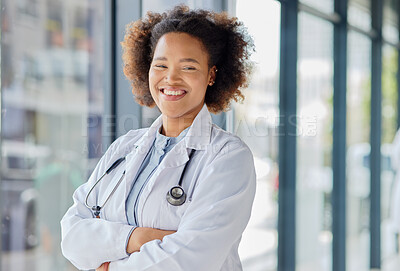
{"x": 184, "y": 169}
{"x": 171, "y": 199}
{"x": 97, "y": 208}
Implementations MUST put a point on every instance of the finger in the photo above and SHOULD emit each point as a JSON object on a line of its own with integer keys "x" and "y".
{"x": 169, "y": 232}
{"x": 165, "y": 233}
{"x": 100, "y": 268}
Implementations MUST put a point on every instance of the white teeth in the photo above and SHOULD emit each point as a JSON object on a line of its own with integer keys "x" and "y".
{"x": 173, "y": 92}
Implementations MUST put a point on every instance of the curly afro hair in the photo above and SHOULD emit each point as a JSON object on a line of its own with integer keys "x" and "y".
{"x": 226, "y": 40}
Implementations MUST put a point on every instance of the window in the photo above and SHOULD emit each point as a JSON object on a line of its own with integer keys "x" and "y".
{"x": 256, "y": 122}
{"x": 314, "y": 143}
{"x": 52, "y": 93}
{"x": 358, "y": 150}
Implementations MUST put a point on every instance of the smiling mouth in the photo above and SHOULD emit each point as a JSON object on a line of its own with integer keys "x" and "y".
{"x": 173, "y": 91}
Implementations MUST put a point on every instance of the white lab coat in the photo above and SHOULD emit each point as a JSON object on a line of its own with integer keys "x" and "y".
{"x": 220, "y": 183}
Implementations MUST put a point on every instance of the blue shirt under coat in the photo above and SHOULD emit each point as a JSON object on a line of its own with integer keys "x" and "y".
{"x": 161, "y": 146}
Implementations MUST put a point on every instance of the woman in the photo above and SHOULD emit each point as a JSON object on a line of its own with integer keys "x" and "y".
{"x": 185, "y": 62}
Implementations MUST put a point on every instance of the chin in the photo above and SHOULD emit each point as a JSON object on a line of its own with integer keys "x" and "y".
{"x": 178, "y": 114}
{"x": 180, "y": 111}
{"x": 173, "y": 114}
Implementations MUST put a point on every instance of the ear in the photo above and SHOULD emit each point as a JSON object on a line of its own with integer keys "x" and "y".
{"x": 212, "y": 75}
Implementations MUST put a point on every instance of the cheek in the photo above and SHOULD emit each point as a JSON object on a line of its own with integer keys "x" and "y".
{"x": 154, "y": 78}
{"x": 199, "y": 82}
{"x": 202, "y": 86}
{"x": 153, "y": 91}
{"x": 154, "y": 94}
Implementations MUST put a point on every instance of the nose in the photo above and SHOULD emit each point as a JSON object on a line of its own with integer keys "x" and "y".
{"x": 172, "y": 76}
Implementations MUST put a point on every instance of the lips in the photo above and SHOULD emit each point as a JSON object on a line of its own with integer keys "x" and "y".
{"x": 172, "y": 93}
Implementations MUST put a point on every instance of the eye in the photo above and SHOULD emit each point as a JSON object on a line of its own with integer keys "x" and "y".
{"x": 160, "y": 66}
{"x": 189, "y": 68}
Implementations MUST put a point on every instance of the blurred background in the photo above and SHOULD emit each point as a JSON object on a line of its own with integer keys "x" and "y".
{"x": 320, "y": 115}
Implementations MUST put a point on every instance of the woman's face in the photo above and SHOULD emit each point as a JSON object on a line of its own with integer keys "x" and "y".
{"x": 179, "y": 75}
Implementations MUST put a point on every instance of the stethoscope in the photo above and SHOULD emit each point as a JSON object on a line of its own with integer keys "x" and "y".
{"x": 176, "y": 196}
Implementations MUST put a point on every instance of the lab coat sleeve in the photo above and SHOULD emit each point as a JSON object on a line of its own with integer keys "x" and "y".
{"x": 215, "y": 219}
{"x": 88, "y": 242}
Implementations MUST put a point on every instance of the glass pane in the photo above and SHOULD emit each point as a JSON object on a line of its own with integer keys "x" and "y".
{"x": 314, "y": 144}
{"x": 52, "y": 95}
{"x": 390, "y": 30}
{"x": 256, "y": 122}
{"x": 390, "y": 186}
{"x": 359, "y": 14}
{"x": 322, "y": 5}
{"x": 358, "y": 150}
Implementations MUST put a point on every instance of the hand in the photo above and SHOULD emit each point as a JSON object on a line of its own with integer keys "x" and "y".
{"x": 142, "y": 235}
{"x": 103, "y": 267}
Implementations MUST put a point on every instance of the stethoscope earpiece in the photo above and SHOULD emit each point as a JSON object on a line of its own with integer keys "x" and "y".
{"x": 176, "y": 196}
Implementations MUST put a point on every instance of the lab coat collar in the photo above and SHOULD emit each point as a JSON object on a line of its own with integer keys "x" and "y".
{"x": 198, "y": 136}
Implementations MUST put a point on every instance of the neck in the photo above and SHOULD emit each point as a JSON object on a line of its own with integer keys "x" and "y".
{"x": 172, "y": 127}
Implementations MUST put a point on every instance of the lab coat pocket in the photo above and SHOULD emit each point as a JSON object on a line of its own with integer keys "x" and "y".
{"x": 179, "y": 211}
{"x": 174, "y": 214}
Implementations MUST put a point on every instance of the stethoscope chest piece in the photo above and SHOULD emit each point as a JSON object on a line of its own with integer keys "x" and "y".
{"x": 176, "y": 196}
{"x": 96, "y": 211}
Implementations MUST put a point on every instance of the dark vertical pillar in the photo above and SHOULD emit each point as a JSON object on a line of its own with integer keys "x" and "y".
{"x": 121, "y": 112}
{"x": 287, "y": 139}
{"x": 128, "y": 114}
{"x": 376, "y": 121}
{"x": 220, "y": 118}
{"x": 339, "y": 140}
{"x": 108, "y": 117}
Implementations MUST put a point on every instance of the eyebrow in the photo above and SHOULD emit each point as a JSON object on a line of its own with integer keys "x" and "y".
{"x": 181, "y": 60}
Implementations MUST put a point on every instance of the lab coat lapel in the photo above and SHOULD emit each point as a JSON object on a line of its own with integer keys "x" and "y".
{"x": 174, "y": 158}
{"x": 198, "y": 137}
{"x": 135, "y": 158}
{"x": 199, "y": 134}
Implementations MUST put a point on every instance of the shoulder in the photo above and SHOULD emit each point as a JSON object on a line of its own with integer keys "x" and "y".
{"x": 223, "y": 143}
{"x": 229, "y": 160}
{"x": 125, "y": 143}
{"x": 223, "y": 140}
